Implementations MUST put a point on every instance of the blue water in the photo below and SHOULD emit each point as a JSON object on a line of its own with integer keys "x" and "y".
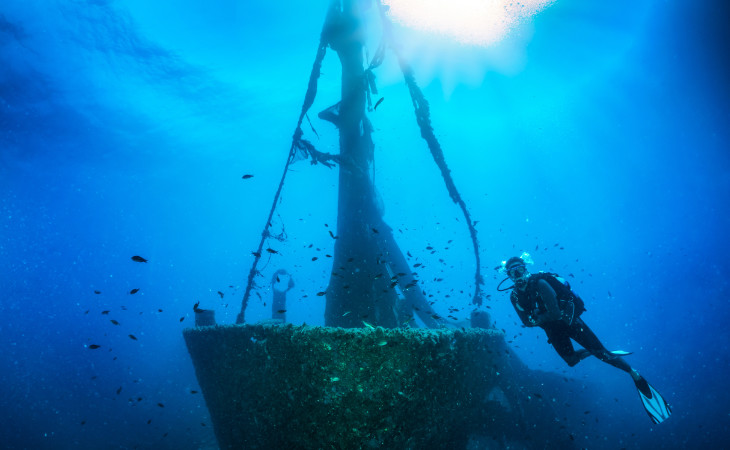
{"x": 595, "y": 137}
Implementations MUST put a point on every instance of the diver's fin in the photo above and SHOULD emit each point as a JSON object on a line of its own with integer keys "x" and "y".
{"x": 657, "y": 408}
{"x": 621, "y": 353}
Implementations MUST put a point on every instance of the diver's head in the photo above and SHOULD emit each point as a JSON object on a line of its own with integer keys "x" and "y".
{"x": 517, "y": 272}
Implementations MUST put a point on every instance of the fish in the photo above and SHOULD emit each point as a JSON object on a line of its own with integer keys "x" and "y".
{"x": 378, "y": 102}
{"x": 375, "y": 231}
{"x": 105, "y": 312}
{"x": 256, "y": 254}
{"x": 247, "y": 176}
{"x": 131, "y": 336}
{"x": 319, "y": 294}
{"x": 97, "y": 292}
{"x": 368, "y": 325}
{"x": 346, "y": 313}
{"x": 196, "y": 309}
{"x": 382, "y": 343}
{"x": 138, "y": 259}
{"x": 94, "y": 346}
{"x": 220, "y": 293}
{"x": 193, "y": 392}
{"x": 114, "y": 322}
{"x": 134, "y": 291}
{"x": 160, "y": 405}
{"x": 314, "y": 258}
{"x": 332, "y": 235}
{"x": 119, "y": 391}
{"x": 281, "y": 311}
{"x": 182, "y": 318}
{"x": 271, "y": 250}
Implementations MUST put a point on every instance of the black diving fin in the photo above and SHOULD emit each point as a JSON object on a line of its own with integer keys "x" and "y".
{"x": 657, "y": 408}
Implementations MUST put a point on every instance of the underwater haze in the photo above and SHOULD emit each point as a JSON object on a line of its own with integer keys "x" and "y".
{"x": 594, "y": 136}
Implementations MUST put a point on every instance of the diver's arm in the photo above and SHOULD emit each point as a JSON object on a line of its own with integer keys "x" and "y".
{"x": 521, "y": 313}
{"x": 550, "y": 300}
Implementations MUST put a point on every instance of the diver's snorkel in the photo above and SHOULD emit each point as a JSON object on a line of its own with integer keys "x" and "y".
{"x": 505, "y": 289}
{"x": 515, "y": 263}
{"x": 521, "y": 282}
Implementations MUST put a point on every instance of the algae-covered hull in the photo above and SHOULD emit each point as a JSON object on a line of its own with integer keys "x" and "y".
{"x": 317, "y": 387}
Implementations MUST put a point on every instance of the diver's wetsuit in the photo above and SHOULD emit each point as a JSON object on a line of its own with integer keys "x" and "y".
{"x": 543, "y": 301}
{"x": 559, "y": 334}
{"x": 546, "y": 300}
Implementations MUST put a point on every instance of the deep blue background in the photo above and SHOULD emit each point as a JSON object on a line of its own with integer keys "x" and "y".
{"x": 595, "y": 138}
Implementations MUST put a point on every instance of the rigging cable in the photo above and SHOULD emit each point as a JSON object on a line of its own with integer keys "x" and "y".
{"x": 297, "y": 143}
{"x": 423, "y": 118}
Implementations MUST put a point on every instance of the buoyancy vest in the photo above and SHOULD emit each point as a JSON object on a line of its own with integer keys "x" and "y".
{"x": 528, "y": 303}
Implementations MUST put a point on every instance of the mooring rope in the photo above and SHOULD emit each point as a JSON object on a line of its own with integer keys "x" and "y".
{"x": 423, "y": 118}
{"x": 297, "y": 143}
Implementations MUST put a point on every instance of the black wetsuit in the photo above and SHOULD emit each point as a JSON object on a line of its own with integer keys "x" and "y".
{"x": 546, "y": 304}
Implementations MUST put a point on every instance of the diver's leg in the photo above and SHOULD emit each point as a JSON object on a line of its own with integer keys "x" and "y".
{"x": 559, "y": 337}
{"x": 588, "y": 339}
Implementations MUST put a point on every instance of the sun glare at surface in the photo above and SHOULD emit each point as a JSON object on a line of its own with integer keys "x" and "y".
{"x": 474, "y": 22}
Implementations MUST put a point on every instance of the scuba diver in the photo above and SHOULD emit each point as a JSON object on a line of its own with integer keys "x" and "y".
{"x": 545, "y": 300}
